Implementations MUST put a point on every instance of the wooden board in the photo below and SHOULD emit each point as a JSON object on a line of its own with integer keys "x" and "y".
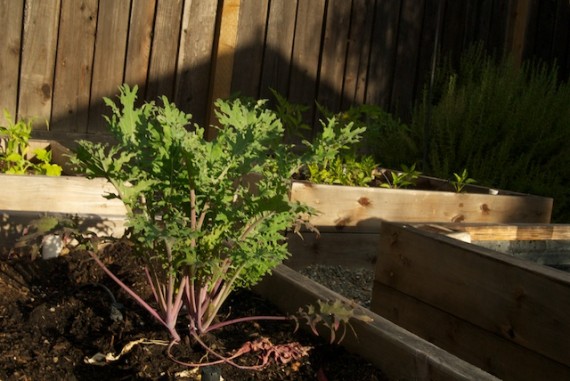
{"x": 139, "y": 43}
{"x": 195, "y": 58}
{"x": 222, "y": 70}
{"x": 365, "y": 208}
{"x": 164, "y": 52}
{"x": 331, "y": 249}
{"x": 248, "y": 58}
{"x": 407, "y": 53}
{"x": 517, "y": 300}
{"x": 398, "y": 353}
{"x": 75, "y": 49}
{"x": 359, "y": 45}
{"x": 510, "y": 232}
{"x": 109, "y": 61}
{"x": 334, "y": 54}
{"x": 305, "y": 55}
{"x": 383, "y": 53}
{"x": 279, "y": 45}
{"x": 38, "y": 61}
{"x": 500, "y": 357}
{"x": 11, "y": 18}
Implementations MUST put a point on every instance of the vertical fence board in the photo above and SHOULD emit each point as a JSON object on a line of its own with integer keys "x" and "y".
{"x": 109, "y": 63}
{"x": 518, "y": 20}
{"x": 74, "y": 65}
{"x": 357, "y": 58}
{"x": 335, "y": 47}
{"x": 164, "y": 52}
{"x": 73, "y": 70}
{"x": 378, "y": 52}
{"x": 250, "y": 39}
{"x": 561, "y": 37}
{"x": 407, "y": 53}
{"x": 383, "y": 54}
{"x": 195, "y": 56}
{"x": 427, "y": 45}
{"x": 11, "y": 18}
{"x": 453, "y": 28}
{"x": 278, "y": 47}
{"x": 224, "y": 57}
{"x": 139, "y": 42}
{"x": 38, "y": 61}
{"x": 496, "y": 41}
{"x": 306, "y": 50}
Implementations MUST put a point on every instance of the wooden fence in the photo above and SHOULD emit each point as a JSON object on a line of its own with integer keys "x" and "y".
{"x": 59, "y": 58}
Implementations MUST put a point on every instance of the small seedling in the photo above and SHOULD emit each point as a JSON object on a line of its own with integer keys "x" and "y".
{"x": 461, "y": 181}
{"x": 407, "y": 177}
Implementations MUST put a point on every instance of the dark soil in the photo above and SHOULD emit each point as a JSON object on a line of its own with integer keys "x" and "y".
{"x": 54, "y": 314}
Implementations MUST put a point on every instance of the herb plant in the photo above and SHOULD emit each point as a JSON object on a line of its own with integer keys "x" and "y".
{"x": 344, "y": 170}
{"x": 407, "y": 177}
{"x": 461, "y": 181}
{"x": 14, "y": 151}
{"x": 206, "y": 217}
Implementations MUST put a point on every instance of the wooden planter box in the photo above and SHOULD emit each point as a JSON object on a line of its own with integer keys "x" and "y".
{"x": 400, "y": 354}
{"x": 505, "y": 311}
{"x": 26, "y": 197}
{"x": 358, "y": 212}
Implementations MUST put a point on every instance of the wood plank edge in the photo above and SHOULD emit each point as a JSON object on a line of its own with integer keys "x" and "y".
{"x": 397, "y": 352}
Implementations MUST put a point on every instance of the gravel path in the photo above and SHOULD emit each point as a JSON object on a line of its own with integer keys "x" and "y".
{"x": 355, "y": 284}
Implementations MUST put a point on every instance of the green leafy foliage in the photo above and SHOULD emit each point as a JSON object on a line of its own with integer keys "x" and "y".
{"x": 344, "y": 170}
{"x": 205, "y": 216}
{"x": 406, "y": 178}
{"x": 14, "y": 151}
{"x": 460, "y": 181}
{"x": 507, "y": 124}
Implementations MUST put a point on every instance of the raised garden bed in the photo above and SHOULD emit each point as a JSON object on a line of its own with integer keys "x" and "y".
{"x": 350, "y": 217}
{"x": 400, "y": 354}
{"x": 503, "y": 312}
{"x": 27, "y": 197}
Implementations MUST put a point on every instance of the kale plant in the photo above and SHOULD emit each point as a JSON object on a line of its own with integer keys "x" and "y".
{"x": 206, "y": 217}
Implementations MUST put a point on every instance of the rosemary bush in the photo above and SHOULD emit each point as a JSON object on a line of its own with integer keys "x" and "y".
{"x": 508, "y": 126}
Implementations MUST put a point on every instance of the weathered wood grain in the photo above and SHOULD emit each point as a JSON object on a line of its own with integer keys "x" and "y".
{"x": 334, "y": 54}
{"x": 11, "y": 18}
{"x": 357, "y": 58}
{"x": 141, "y": 28}
{"x": 224, "y": 57}
{"x": 39, "y": 50}
{"x": 277, "y": 64}
{"x": 305, "y": 55}
{"x": 383, "y": 53}
{"x": 248, "y": 58}
{"x": 109, "y": 61}
{"x": 365, "y": 208}
{"x": 519, "y": 301}
{"x": 399, "y": 354}
{"x": 74, "y": 65}
{"x": 195, "y": 58}
{"x": 469, "y": 342}
{"x": 164, "y": 52}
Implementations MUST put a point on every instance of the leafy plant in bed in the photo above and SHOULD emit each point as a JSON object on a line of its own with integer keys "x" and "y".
{"x": 206, "y": 217}
{"x": 16, "y": 157}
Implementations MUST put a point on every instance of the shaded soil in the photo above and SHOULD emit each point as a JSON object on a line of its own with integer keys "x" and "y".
{"x": 55, "y": 314}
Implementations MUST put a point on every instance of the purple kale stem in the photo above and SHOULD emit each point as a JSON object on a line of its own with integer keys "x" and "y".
{"x": 134, "y": 295}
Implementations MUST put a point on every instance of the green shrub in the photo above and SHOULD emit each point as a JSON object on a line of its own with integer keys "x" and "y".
{"x": 508, "y": 125}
